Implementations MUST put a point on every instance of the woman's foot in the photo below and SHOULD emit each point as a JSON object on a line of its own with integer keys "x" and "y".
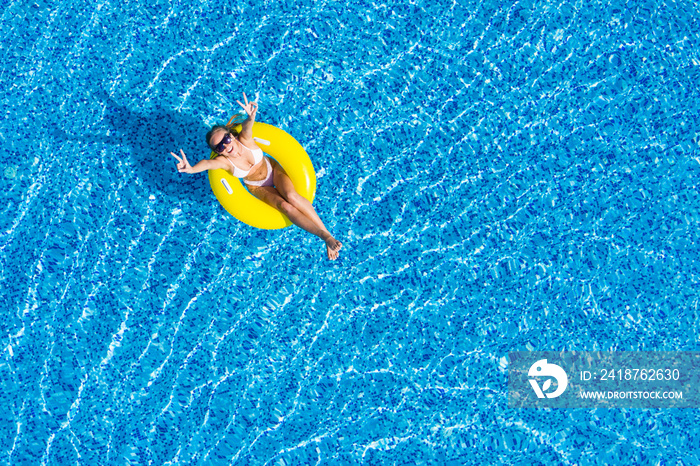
{"x": 332, "y": 247}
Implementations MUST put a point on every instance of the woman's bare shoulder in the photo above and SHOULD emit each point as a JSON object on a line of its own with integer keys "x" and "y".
{"x": 249, "y": 142}
{"x": 219, "y": 162}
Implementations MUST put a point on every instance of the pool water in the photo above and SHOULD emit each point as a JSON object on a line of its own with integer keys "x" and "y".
{"x": 503, "y": 178}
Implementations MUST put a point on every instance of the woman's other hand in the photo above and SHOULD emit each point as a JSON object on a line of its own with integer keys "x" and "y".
{"x": 251, "y": 108}
{"x": 183, "y": 166}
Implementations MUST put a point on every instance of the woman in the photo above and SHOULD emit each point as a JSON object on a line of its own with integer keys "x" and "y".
{"x": 266, "y": 179}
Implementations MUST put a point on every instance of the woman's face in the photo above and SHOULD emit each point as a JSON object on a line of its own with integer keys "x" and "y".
{"x": 223, "y": 142}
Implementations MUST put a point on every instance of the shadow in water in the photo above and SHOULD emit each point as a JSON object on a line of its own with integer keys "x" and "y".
{"x": 150, "y": 137}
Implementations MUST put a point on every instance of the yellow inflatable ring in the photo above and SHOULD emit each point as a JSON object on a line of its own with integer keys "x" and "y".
{"x": 236, "y": 199}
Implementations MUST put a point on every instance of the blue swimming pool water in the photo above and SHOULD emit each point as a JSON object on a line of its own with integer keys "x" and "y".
{"x": 503, "y": 178}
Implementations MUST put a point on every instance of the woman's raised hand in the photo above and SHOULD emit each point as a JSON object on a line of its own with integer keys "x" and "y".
{"x": 250, "y": 108}
{"x": 183, "y": 166}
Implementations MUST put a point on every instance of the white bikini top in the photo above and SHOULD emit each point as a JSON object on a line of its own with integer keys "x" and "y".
{"x": 257, "y": 156}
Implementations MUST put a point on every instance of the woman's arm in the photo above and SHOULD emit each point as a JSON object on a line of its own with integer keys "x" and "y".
{"x": 184, "y": 166}
{"x": 251, "y": 108}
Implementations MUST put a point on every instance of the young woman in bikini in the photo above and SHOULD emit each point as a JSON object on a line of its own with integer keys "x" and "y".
{"x": 265, "y": 178}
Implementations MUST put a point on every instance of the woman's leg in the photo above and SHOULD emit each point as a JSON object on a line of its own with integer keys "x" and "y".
{"x": 286, "y": 188}
{"x": 273, "y": 198}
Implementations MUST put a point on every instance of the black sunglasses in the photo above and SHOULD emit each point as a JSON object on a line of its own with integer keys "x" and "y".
{"x": 222, "y": 144}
